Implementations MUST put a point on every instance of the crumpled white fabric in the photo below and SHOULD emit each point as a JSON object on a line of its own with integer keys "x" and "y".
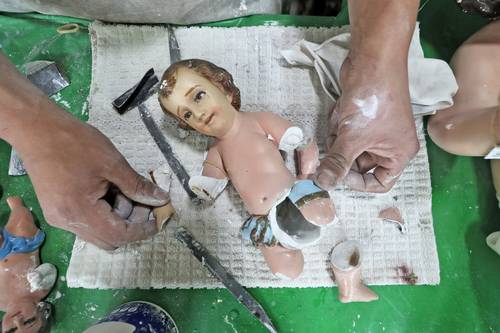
{"x": 431, "y": 81}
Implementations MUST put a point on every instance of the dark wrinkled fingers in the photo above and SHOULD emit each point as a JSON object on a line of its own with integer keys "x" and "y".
{"x": 117, "y": 231}
{"x": 381, "y": 180}
{"x": 122, "y": 206}
{"x": 140, "y": 214}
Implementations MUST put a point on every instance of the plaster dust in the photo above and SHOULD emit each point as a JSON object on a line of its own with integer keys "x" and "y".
{"x": 368, "y": 107}
{"x": 163, "y": 262}
{"x": 42, "y": 278}
{"x": 59, "y": 100}
{"x": 393, "y": 215}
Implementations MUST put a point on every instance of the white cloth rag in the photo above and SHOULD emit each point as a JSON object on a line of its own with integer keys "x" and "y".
{"x": 432, "y": 83}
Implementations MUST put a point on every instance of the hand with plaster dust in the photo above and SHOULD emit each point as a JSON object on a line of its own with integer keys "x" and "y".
{"x": 372, "y": 136}
{"x": 73, "y": 167}
{"x": 24, "y": 283}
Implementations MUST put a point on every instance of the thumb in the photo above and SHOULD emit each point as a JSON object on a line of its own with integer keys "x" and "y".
{"x": 138, "y": 188}
{"x": 336, "y": 164}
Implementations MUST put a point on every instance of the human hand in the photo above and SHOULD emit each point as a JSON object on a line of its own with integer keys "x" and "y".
{"x": 73, "y": 166}
{"x": 370, "y": 127}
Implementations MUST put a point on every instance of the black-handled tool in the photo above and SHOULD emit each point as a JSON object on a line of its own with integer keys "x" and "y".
{"x": 217, "y": 270}
{"x": 135, "y": 97}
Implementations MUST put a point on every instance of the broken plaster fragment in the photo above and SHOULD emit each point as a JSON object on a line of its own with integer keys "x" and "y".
{"x": 493, "y": 241}
{"x": 345, "y": 261}
{"x": 162, "y": 177}
{"x": 393, "y": 215}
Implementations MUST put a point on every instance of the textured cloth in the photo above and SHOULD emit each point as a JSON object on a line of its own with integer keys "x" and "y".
{"x": 121, "y": 56}
{"x": 431, "y": 81}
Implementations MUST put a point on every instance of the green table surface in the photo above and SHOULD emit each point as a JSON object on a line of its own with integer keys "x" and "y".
{"x": 465, "y": 211}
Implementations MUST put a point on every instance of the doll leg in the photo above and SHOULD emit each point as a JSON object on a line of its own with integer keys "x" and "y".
{"x": 284, "y": 263}
{"x": 345, "y": 261}
{"x": 320, "y": 211}
{"x": 314, "y": 203}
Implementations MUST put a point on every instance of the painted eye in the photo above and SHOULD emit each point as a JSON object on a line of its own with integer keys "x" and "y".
{"x": 199, "y": 95}
{"x": 30, "y": 321}
{"x": 187, "y": 115}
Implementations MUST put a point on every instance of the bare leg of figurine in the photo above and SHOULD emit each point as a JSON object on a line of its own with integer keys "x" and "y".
{"x": 320, "y": 211}
{"x": 346, "y": 265}
{"x": 283, "y": 262}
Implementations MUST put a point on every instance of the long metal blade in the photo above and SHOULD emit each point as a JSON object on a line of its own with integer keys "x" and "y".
{"x": 167, "y": 151}
{"x": 213, "y": 265}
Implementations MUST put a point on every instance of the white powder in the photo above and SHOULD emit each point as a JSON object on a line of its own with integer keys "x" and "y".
{"x": 243, "y": 6}
{"x": 368, "y": 107}
{"x": 59, "y": 100}
{"x": 42, "y": 278}
{"x": 226, "y": 320}
{"x": 58, "y": 295}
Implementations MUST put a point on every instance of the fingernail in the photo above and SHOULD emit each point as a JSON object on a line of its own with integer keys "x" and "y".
{"x": 161, "y": 194}
{"x": 325, "y": 180}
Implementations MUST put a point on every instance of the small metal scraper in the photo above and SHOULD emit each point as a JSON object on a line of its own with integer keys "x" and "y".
{"x": 213, "y": 265}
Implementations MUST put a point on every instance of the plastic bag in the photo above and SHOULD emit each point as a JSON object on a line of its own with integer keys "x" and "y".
{"x": 146, "y": 11}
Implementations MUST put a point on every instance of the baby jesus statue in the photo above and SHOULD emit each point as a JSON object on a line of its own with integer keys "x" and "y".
{"x": 287, "y": 212}
{"x": 24, "y": 283}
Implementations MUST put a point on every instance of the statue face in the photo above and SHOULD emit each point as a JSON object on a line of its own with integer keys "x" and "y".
{"x": 23, "y": 318}
{"x": 200, "y": 104}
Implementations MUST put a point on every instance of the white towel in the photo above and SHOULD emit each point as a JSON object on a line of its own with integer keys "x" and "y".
{"x": 121, "y": 56}
{"x": 432, "y": 83}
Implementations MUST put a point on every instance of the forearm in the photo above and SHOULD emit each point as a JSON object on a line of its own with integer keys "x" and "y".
{"x": 381, "y": 29}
